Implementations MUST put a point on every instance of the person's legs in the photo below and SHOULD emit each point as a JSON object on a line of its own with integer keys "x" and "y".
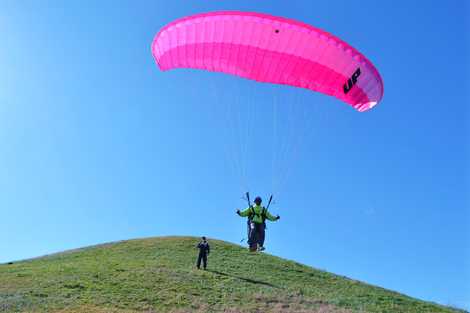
{"x": 255, "y": 235}
{"x": 252, "y": 241}
{"x": 248, "y": 231}
{"x": 199, "y": 258}
{"x": 204, "y": 261}
{"x": 262, "y": 233}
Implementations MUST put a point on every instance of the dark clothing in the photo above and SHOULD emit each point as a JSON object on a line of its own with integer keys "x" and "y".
{"x": 204, "y": 247}
{"x": 261, "y": 234}
{"x": 248, "y": 230}
{"x": 257, "y": 234}
{"x": 204, "y": 250}
{"x": 203, "y": 258}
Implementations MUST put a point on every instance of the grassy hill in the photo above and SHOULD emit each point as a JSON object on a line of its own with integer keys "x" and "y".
{"x": 158, "y": 275}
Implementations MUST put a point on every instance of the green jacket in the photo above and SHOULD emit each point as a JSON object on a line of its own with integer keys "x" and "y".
{"x": 258, "y": 214}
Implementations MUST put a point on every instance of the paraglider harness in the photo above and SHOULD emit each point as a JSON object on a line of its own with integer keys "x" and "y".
{"x": 253, "y": 213}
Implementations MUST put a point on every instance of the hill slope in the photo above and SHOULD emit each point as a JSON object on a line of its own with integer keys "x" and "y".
{"x": 158, "y": 275}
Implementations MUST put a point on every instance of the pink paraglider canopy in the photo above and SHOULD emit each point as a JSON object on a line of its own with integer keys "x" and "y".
{"x": 270, "y": 49}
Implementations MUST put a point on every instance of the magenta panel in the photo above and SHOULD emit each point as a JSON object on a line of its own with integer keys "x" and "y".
{"x": 270, "y": 49}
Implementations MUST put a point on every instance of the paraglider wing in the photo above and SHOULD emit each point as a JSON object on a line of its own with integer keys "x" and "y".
{"x": 270, "y": 49}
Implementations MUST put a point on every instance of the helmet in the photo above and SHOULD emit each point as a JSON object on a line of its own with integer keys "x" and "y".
{"x": 258, "y": 200}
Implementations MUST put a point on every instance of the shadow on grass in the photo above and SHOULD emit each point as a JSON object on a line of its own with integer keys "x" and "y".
{"x": 248, "y": 280}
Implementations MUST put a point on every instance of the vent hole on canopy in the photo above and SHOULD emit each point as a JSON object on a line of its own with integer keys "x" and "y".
{"x": 276, "y": 31}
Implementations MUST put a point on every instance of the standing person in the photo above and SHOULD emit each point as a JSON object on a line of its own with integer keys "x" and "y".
{"x": 258, "y": 215}
{"x": 204, "y": 250}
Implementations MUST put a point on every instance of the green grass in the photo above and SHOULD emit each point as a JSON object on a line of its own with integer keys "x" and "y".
{"x": 158, "y": 275}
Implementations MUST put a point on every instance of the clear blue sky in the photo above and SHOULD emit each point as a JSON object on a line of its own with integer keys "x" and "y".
{"x": 98, "y": 145}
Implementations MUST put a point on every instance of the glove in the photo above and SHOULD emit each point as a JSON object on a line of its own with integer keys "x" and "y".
{"x": 238, "y": 212}
{"x": 278, "y": 217}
